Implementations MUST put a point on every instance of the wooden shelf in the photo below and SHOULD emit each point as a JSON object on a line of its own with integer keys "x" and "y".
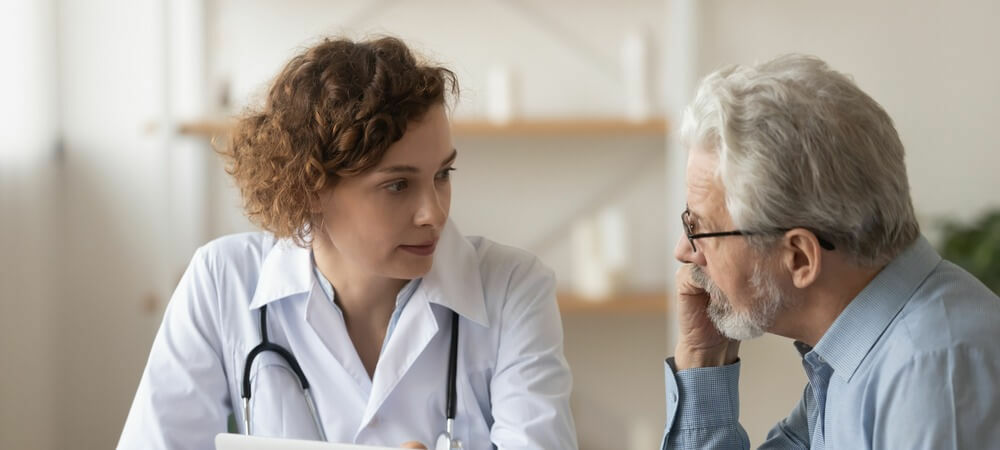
{"x": 558, "y": 127}
{"x": 483, "y": 128}
{"x": 625, "y": 303}
{"x": 206, "y": 127}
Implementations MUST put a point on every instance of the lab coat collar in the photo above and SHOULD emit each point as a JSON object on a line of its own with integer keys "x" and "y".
{"x": 454, "y": 280}
{"x": 285, "y": 272}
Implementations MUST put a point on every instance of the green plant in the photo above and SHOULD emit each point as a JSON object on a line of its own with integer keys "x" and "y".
{"x": 976, "y": 248}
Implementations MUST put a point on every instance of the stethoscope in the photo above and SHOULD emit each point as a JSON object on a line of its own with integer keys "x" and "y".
{"x": 446, "y": 440}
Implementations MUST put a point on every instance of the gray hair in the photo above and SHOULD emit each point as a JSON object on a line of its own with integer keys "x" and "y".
{"x": 800, "y": 145}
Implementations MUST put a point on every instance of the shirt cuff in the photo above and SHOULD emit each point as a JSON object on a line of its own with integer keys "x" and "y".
{"x": 702, "y": 397}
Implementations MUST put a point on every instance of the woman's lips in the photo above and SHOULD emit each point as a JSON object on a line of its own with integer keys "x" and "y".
{"x": 422, "y": 250}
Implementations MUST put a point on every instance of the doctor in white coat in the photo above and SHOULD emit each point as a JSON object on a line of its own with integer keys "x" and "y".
{"x": 347, "y": 168}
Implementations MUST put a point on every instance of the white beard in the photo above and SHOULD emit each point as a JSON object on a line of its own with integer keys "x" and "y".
{"x": 766, "y": 301}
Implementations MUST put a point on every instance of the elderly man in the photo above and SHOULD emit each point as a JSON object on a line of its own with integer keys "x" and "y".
{"x": 799, "y": 223}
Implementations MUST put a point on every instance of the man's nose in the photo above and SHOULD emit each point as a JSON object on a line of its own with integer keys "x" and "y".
{"x": 683, "y": 251}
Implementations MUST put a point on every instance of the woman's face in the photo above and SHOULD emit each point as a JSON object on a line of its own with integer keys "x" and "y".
{"x": 387, "y": 220}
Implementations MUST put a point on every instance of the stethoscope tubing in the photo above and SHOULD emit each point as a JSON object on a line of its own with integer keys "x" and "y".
{"x": 267, "y": 346}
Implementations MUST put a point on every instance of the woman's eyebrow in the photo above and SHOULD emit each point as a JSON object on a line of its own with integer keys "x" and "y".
{"x": 413, "y": 169}
{"x": 399, "y": 169}
{"x": 451, "y": 158}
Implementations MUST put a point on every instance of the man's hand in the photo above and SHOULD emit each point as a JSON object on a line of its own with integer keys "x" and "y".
{"x": 413, "y": 444}
{"x": 699, "y": 343}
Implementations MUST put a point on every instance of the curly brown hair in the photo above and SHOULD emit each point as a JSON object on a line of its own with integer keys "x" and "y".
{"x": 332, "y": 112}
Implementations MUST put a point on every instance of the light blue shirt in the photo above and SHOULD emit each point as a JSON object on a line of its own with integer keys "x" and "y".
{"x": 913, "y": 362}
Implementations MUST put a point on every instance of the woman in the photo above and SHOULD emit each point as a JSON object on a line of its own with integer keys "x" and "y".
{"x": 360, "y": 276}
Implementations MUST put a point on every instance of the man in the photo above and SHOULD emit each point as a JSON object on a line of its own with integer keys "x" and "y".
{"x": 799, "y": 223}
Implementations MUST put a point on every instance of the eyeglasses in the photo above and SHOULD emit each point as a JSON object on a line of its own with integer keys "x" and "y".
{"x": 691, "y": 235}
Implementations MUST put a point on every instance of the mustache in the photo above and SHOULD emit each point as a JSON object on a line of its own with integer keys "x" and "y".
{"x": 717, "y": 299}
{"x": 700, "y": 278}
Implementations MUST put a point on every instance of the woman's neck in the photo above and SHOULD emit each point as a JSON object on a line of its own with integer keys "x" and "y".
{"x": 365, "y": 299}
{"x": 360, "y": 294}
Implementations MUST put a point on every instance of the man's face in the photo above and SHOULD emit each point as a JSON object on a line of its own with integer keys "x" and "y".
{"x": 744, "y": 292}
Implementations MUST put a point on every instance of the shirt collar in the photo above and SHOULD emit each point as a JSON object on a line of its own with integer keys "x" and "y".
{"x": 454, "y": 280}
{"x": 856, "y": 330}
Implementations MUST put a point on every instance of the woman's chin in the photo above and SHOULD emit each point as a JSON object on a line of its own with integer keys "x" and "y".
{"x": 409, "y": 267}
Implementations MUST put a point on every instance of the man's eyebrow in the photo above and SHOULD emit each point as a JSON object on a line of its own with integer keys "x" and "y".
{"x": 412, "y": 169}
{"x": 691, "y": 213}
{"x": 698, "y": 219}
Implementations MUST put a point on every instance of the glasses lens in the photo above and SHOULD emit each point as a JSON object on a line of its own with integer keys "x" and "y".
{"x": 688, "y": 228}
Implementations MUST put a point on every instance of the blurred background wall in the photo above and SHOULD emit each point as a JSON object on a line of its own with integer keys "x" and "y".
{"x": 104, "y": 198}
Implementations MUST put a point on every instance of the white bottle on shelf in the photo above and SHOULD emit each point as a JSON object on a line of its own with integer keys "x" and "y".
{"x": 600, "y": 254}
{"x": 499, "y": 94}
{"x": 590, "y": 281}
{"x": 635, "y": 76}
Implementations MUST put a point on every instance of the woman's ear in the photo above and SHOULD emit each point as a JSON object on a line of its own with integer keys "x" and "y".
{"x": 803, "y": 256}
{"x": 318, "y": 205}
{"x": 318, "y": 201}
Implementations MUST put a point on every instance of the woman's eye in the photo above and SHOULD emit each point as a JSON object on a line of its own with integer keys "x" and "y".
{"x": 397, "y": 186}
{"x": 445, "y": 174}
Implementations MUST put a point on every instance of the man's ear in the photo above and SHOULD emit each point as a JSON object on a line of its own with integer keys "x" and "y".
{"x": 802, "y": 256}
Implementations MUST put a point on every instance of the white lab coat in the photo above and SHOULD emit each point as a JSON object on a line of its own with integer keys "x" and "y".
{"x": 513, "y": 380}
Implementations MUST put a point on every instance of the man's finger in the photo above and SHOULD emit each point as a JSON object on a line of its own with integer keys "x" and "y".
{"x": 685, "y": 282}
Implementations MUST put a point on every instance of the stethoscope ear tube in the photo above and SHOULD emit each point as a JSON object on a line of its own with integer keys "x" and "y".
{"x": 446, "y": 438}
{"x": 266, "y": 346}
{"x": 315, "y": 414}
{"x": 452, "y": 368}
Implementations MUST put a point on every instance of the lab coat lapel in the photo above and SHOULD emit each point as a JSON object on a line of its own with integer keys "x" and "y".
{"x": 287, "y": 271}
{"x": 416, "y": 328}
{"x": 453, "y": 282}
{"x": 328, "y": 324}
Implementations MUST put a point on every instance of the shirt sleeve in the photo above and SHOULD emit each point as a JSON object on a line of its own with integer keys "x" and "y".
{"x": 182, "y": 401}
{"x": 531, "y": 387}
{"x": 941, "y": 400}
{"x": 793, "y": 431}
{"x": 703, "y": 408}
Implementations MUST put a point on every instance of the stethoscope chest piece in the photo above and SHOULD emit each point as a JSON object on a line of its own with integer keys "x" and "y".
{"x": 445, "y": 442}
